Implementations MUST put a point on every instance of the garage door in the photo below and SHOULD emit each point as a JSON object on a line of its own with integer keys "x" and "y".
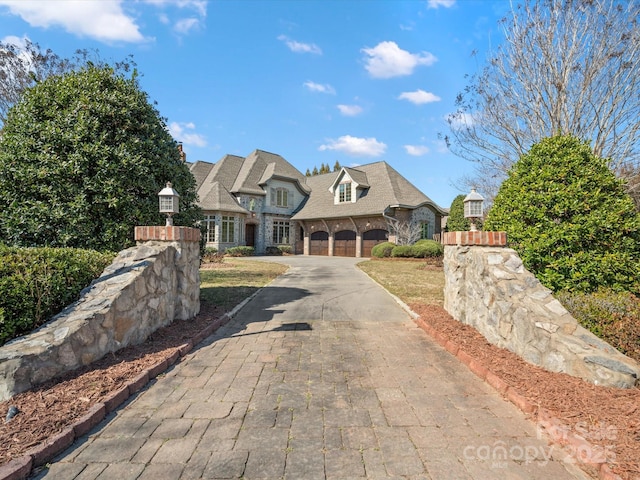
{"x": 319, "y": 243}
{"x": 344, "y": 244}
{"x": 371, "y": 238}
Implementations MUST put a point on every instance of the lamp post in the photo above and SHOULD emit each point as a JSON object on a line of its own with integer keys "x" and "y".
{"x": 473, "y": 207}
{"x": 169, "y": 203}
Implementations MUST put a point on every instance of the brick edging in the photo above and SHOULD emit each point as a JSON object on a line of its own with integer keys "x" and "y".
{"x": 478, "y": 238}
{"x": 20, "y": 468}
{"x": 552, "y": 426}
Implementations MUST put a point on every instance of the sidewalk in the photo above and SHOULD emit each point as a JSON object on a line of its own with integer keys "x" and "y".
{"x": 321, "y": 375}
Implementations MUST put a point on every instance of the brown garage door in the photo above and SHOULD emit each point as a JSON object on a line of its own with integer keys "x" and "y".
{"x": 371, "y": 238}
{"x": 319, "y": 243}
{"x": 345, "y": 244}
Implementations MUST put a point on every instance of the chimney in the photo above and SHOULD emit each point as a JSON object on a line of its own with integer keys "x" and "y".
{"x": 183, "y": 156}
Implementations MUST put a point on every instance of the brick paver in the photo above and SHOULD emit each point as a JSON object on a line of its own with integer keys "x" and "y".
{"x": 316, "y": 393}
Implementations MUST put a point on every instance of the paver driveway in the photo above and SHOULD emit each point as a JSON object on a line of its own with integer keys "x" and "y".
{"x": 321, "y": 375}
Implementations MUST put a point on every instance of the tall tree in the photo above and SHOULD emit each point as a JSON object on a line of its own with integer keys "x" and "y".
{"x": 21, "y": 67}
{"x": 83, "y": 157}
{"x": 23, "y": 64}
{"x": 456, "y": 221}
{"x": 565, "y": 67}
{"x": 337, "y": 166}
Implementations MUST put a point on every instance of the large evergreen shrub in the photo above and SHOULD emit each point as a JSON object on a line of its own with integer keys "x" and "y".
{"x": 83, "y": 157}
{"x": 569, "y": 218}
{"x": 456, "y": 221}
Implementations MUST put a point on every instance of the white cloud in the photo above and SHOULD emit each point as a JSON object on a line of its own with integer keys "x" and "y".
{"x": 387, "y": 60}
{"x": 185, "y": 25}
{"x": 103, "y": 20}
{"x": 299, "y": 47}
{"x": 440, "y": 3}
{"x": 350, "y": 110}
{"x": 358, "y": 147}
{"x": 183, "y": 132}
{"x": 419, "y": 97}
{"x": 416, "y": 150}
{"x": 320, "y": 88}
{"x": 460, "y": 120}
{"x": 200, "y": 6}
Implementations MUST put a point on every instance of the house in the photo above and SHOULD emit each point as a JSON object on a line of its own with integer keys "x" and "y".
{"x": 263, "y": 201}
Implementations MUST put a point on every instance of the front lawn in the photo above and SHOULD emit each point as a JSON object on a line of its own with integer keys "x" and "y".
{"x": 413, "y": 281}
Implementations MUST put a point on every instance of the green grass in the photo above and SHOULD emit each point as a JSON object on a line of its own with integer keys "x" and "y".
{"x": 413, "y": 281}
{"x": 234, "y": 280}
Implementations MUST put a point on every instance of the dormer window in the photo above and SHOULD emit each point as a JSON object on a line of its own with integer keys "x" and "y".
{"x": 344, "y": 192}
{"x": 281, "y": 197}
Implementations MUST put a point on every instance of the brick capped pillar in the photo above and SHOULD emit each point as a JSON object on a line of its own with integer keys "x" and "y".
{"x": 481, "y": 239}
{"x": 186, "y": 241}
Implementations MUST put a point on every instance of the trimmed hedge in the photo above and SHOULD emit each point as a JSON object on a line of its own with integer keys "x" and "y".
{"x": 612, "y": 316}
{"x": 37, "y": 283}
{"x": 421, "y": 249}
{"x": 427, "y": 248}
{"x": 382, "y": 250}
{"x": 241, "y": 251}
{"x": 402, "y": 251}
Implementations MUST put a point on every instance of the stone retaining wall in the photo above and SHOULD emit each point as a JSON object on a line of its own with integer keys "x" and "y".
{"x": 146, "y": 287}
{"x": 487, "y": 287}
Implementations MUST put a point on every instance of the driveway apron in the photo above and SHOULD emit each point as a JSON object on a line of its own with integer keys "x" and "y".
{"x": 322, "y": 375}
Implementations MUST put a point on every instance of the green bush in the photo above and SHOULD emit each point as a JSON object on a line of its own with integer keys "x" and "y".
{"x": 274, "y": 251}
{"x": 427, "y": 248}
{"x": 36, "y": 283}
{"x": 211, "y": 255}
{"x": 382, "y": 250}
{"x": 286, "y": 249}
{"x": 83, "y": 156}
{"x": 569, "y": 218}
{"x": 402, "y": 251}
{"x": 241, "y": 251}
{"x": 612, "y": 316}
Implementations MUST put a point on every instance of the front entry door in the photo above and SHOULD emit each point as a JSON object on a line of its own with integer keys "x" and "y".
{"x": 250, "y": 235}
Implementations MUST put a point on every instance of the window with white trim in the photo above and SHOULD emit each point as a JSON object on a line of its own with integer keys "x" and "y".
{"x": 344, "y": 192}
{"x": 426, "y": 231}
{"x": 210, "y": 224}
{"x": 228, "y": 229}
{"x": 281, "y": 231}
{"x": 281, "y": 197}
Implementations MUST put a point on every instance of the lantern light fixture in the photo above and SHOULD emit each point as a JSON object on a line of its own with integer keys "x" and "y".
{"x": 473, "y": 207}
{"x": 169, "y": 203}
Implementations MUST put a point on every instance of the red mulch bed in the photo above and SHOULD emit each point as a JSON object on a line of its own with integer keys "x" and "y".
{"x": 57, "y": 404}
{"x": 609, "y": 417}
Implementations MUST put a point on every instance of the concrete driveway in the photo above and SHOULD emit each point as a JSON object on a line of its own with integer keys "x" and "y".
{"x": 322, "y": 375}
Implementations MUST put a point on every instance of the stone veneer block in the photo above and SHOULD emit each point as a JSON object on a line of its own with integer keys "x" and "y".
{"x": 145, "y": 288}
{"x": 488, "y": 288}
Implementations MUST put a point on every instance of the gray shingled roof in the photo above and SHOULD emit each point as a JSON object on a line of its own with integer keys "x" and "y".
{"x": 252, "y": 173}
{"x": 386, "y": 188}
{"x": 219, "y": 198}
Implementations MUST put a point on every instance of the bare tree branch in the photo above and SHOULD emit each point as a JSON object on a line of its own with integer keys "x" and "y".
{"x": 565, "y": 67}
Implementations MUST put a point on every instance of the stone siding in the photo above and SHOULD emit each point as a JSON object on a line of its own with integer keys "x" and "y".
{"x": 146, "y": 287}
{"x": 488, "y": 288}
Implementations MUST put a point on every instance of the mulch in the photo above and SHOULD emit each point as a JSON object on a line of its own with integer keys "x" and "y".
{"x": 607, "y": 417}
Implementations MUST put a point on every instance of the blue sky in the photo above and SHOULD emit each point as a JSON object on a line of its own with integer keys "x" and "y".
{"x": 357, "y": 81}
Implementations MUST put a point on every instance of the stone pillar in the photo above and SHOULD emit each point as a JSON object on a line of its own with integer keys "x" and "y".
{"x": 332, "y": 239}
{"x": 358, "y": 245}
{"x": 306, "y": 243}
{"x": 186, "y": 241}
